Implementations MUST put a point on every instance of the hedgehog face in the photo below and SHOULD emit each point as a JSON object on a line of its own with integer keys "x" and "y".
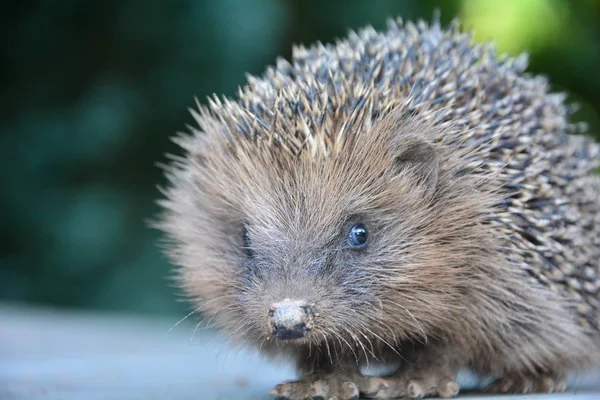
{"x": 286, "y": 251}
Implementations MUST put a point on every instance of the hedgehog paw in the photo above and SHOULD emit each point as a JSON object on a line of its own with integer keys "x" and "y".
{"x": 328, "y": 387}
{"x": 318, "y": 389}
{"x": 416, "y": 387}
{"x": 523, "y": 384}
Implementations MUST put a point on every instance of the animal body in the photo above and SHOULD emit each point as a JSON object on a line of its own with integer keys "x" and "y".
{"x": 405, "y": 196}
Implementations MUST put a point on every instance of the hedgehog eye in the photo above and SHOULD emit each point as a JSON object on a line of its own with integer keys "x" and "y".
{"x": 358, "y": 236}
{"x": 247, "y": 244}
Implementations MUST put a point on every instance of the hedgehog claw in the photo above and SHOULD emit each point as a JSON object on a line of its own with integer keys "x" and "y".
{"x": 326, "y": 388}
{"x": 398, "y": 386}
{"x": 522, "y": 384}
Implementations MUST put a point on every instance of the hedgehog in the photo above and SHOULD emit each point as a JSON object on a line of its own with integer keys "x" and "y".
{"x": 405, "y": 197}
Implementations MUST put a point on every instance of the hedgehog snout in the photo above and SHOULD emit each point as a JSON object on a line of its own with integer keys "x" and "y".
{"x": 290, "y": 319}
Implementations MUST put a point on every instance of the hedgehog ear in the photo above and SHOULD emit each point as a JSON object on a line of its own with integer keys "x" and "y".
{"x": 420, "y": 158}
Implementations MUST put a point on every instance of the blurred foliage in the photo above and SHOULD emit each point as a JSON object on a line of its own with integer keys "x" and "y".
{"x": 91, "y": 92}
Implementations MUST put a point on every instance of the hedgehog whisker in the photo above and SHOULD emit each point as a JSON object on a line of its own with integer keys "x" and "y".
{"x": 372, "y": 350}
{"x": 347, "y": 344}
{"x": 335, "y": 350}
{"x": 232, "y": 310}
{"x": 418, "y": 324}
{"x": 243, "y": 344}
{"x": 357, "y": 340}
{"x": 383, "y": 341}
{"x": 227, "y": 337}
{"x": 182, "y": 319}
{"x": 195, "y": 311}
{"x": 209, "y": 317}
{"x": 327, "y": 346}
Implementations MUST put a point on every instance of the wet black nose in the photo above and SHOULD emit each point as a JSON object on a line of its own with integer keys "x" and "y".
{"x": 290, "y": 319}
{"x": 283, "y": 332}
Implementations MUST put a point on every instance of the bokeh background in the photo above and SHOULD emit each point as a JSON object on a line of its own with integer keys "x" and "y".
{"x": 92, "y": 90}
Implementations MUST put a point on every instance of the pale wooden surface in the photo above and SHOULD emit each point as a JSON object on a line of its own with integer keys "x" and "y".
{"x": 53, "y": 355}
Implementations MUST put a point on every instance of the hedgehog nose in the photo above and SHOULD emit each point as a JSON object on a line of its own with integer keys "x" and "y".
{"x": 290, "y": 319}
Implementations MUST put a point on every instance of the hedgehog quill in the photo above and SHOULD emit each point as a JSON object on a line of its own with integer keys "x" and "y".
{"x": 405, "y": 196}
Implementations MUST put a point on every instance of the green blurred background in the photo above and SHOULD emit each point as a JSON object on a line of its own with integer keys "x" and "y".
{"x": 92, "y": 90}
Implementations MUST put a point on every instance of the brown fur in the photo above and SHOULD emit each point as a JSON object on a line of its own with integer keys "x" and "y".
{"x": 440, "y": 286}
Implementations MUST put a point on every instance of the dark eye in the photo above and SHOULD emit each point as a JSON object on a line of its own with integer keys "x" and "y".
{"x": 358, "y": 236}
{"x": 247, "y": 244}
